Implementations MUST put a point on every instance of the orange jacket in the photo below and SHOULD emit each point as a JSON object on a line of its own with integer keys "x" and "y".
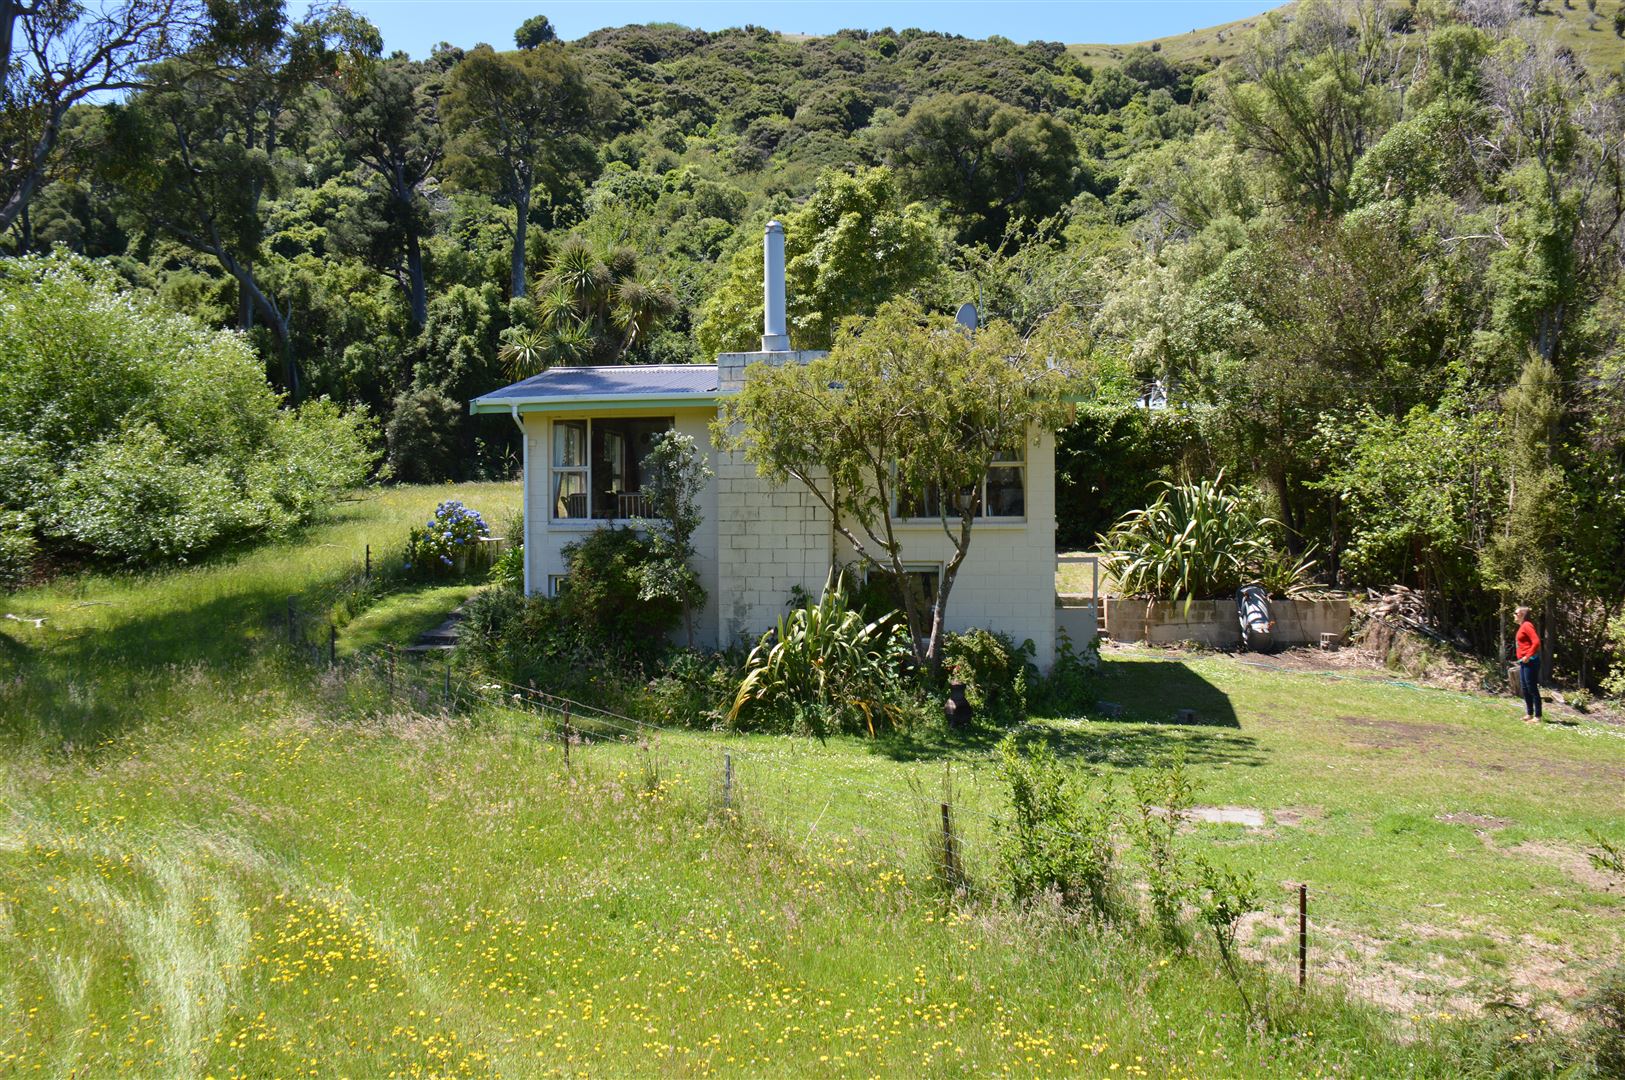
{"x": 1528, "y": 641}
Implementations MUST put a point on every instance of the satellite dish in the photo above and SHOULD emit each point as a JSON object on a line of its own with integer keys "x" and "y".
{"x": 966, "y": 315}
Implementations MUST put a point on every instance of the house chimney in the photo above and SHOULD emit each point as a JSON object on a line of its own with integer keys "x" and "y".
{"x": 774, "y": 337}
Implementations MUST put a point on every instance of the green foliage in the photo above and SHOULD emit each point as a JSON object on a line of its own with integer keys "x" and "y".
{"x": 822, "y": 669}
{"x": 534, "y": 31}
{"x": 17, "y": 549}
{"x": 1198, "y": 540}
{"x": 1162, "y": 797}
{"x": 1109, "y": 462}
{"x": 675, "y": 475}
{"x": 605, "y": 600}
{"x": 994, "y": 669}
{"x": 851, "y": 248}
{"x": 135, "y": 435}
{"x": 1058, "y": 835}
{"x": 1604, "y": 1009}
{"x": 1069, "y": 688}
{"x": 1523, "y": 559}
{"x": 422, "y": 436}
{"x": 508, "y": 571}
{"x": 988, "y": 163}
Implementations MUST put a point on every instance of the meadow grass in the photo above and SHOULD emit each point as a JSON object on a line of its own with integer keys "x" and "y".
{"x": 219, "y": 858}
{"x": 1594, "y": 41}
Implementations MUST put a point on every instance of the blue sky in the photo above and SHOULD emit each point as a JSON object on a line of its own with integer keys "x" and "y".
{"x": 416, "y": 25}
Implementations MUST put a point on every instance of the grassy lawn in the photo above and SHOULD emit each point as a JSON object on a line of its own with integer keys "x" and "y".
{"x": 219, "y": 859}
{"x": 401, "y": 616}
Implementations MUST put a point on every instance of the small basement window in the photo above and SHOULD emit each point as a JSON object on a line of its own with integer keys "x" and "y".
{"x": 597, "y": 467}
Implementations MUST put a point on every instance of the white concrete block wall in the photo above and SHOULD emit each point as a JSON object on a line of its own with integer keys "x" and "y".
{"x": 1007, "y": 582}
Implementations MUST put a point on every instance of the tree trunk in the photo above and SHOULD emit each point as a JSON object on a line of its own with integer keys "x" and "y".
{"x": 33, "y": 170}
{"x": 521, "y": 207}
{"x": 417, "y": 295}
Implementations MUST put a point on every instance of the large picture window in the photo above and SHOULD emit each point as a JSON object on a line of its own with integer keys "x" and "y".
{"x": 598, "y": 467}
{"x": 1004, "y": 494}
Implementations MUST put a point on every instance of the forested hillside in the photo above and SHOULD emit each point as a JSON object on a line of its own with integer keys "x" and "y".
{"x": 1371, "y": 251}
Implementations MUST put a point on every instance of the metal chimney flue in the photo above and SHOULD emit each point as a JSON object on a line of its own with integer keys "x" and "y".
{"x": 775, "y": 337}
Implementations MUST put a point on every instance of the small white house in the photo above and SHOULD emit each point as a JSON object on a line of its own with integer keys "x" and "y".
{"x": 586, "y": 431}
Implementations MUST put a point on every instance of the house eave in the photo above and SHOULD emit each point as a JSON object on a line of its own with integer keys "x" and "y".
{"x": 613, "y": 402}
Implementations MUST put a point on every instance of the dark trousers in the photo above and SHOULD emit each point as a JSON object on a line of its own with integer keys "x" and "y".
{"x": 1529, "y": 680}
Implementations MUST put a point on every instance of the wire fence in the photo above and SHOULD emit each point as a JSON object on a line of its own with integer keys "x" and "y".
{"x": 929, "y": 841}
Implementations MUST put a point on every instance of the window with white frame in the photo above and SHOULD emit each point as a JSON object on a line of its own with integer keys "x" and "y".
{"x": 598, "y": 466}
{"x": 557, "y": 583}
{"x": 1004, "y": 494}
{"x": 921, "y": 580}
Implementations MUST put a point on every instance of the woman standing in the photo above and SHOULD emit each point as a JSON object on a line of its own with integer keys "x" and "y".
{"x": 1528, "y": 652}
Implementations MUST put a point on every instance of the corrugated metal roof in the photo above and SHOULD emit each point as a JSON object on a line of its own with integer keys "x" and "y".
{"x": 597, "y": 383}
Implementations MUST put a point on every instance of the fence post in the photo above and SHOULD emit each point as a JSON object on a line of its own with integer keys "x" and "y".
{"x": 727, "y": 781}
{"x": 567, "y": 736}
{"x": 290, "y": 620}
{"x": 392, "y": 671}
{"x": 1303, "y": 935}
{"x": 950, "y": 849}
{"x": 367, "y": 573}
{"x": 448, "y": 682}
{"x": 332, "y": 645}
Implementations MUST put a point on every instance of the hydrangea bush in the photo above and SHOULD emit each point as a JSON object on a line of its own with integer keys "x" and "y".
{"x": 445, "y": 544}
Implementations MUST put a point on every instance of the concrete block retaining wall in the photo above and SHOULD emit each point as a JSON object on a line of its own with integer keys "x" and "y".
{"x": 1213, "y": 622}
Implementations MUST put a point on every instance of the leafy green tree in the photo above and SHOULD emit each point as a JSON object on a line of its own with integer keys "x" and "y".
{"x": 903, "y": 402}
{"x": 388, "y": 123}
{"x": 1310, "y": 95}
{"x": 55, "y": 54}
{"x": 519, "y": 123}
{"x": 1525, "y": 560}
{"x": 198, "y": 152}
{"x": 534, "y": 31}
{"x": 851, "y": 248}
{"x": 985, "y": 161}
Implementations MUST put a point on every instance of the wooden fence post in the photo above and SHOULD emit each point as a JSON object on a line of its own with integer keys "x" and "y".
{"x": 367, "y": 573}
{"x": 567, "y": 736}
{"x": 727, "y": 781}
{"x": 290, "y": 620}
{"x": 950, "y": 850}
{"x": 332, "y": 645}
{"x": 1303, "y": 935}
{"x": 392, "y": 671}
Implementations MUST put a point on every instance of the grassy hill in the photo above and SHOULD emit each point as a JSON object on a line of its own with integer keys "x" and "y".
{"x": 218, "y": 856}
{"x": 1592, "y": 39}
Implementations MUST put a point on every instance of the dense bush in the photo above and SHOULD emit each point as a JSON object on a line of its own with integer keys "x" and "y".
{"x": 605, "y": 598}
{"x": 133, "y": 434}
{"x": 17, "y": 549}
{"x": 994, "y": 669}
{"x": 824, "y": 668}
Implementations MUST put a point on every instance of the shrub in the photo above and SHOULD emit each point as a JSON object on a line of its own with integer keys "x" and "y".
{"x": 447, "y": 543}
{"x": 605, "y": 600}
{"x": 1198, "y": 540}
{"x": 17, "y": 549}
{"x": 823, "y": 668}
{"x": 1058, "y": 834}
{"x": 1162, "y": 796}
{"x": 994, "y": 670}
{"x": 508, "y": 572}
{"x": 136, "y": 434}
{"x": 1069, "y": 688}
{"x": 424, "y": 436}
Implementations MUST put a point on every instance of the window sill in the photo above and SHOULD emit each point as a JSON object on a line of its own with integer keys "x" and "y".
{"x": 978, "y": 523}
{"x": 588, "y": 524}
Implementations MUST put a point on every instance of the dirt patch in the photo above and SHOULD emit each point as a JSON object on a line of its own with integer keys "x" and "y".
{"x": 1293, "y": 816}
{"x": 1478, "y": 822}
{"x": 1227, "y": 815}
{"x": 1571, "y": 861}
{"x": 1391, "y": 734}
